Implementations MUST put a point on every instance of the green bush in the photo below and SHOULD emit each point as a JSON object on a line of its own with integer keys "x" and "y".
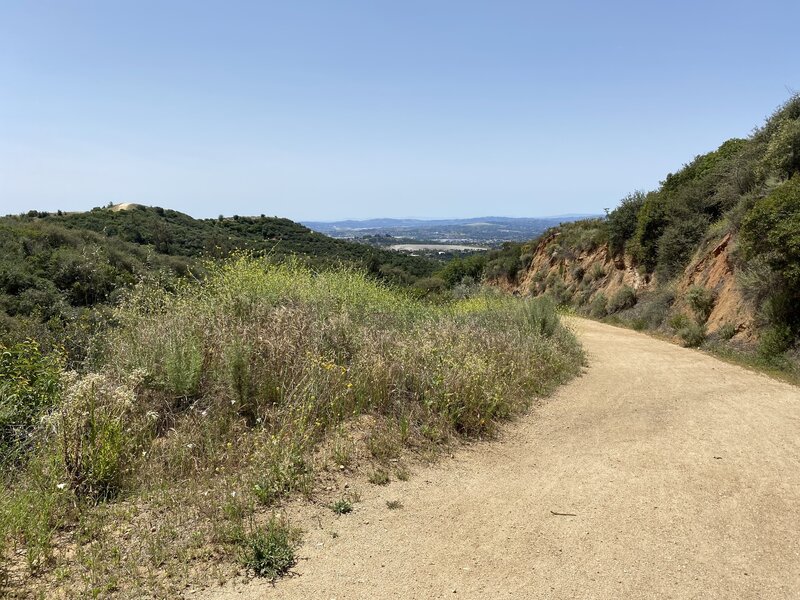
{"x": 559, "y": 292}
{"x": 782, "y": 156}
{"x": 268, "y": 551}
{"x": 598, "y": 306}
{"x": 622, "y": 222}
{"x": 693, "y": 334}
{"x": 457, "y": 269}
{"x": 30, "y": 384}
{"x": 655, "y": 310}
{"x": 701, "y": 300}
{"x": 97, "y": 435}
{"x": 774, "y": 341}
{"x": 678, "y": 321}
{"x": 504, "y": 262}
{"x": 651, "y": 221}
{"x": 182, "y": 363}
{"x": 771, "y": 241}
{"x": 772, "y": 230}
{"x": 624, "y": 298}
{"x": 342, "y": 506}
{"x": 676, "y": 245}
{"x": 540, "y": 316}
{"x": 578, "y": 272}
{"x": 597, "y": 272}
{"x": 726, "y": 331}
{"x": 285, "y": 472}
{"x": 430, "y": 285}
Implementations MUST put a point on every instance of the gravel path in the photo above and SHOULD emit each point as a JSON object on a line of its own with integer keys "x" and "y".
{"x": 682, "y": 473}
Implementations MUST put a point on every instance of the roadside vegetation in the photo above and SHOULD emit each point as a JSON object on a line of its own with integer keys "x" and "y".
{"x": 745, "y": 197}
{"x": 202, "y": 406}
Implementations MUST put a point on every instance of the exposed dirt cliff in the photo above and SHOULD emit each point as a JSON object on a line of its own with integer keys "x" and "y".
{"x": 594, "y": 281}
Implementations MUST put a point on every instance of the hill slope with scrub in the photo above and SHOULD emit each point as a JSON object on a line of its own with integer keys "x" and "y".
{"x": 711, "y": 256}
{"x": 60, "y": 273}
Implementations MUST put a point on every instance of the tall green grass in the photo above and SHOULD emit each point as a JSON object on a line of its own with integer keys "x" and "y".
{"x": 220, "y": 396}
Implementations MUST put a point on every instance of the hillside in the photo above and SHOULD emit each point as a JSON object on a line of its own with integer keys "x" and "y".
{"x": 59, "y": 272}
{"x": 174, "y": 233}
{"x": 711, "y": 256}
{"x": 57, "y": 283}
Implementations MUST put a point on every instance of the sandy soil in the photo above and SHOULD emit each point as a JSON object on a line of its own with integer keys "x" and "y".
{"x": 682, "y": 473}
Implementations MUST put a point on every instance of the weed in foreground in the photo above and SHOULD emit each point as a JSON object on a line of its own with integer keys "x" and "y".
{"x": 268, "y": 551}
{"x": 342, "y": 506}
{"x": 379, "y": 477}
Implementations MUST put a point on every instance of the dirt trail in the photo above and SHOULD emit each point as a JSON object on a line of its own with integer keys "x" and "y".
{"x": 683, "y": 473}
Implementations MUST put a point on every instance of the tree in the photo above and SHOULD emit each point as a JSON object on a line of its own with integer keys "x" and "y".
{"x": 622, "y": 221}
{"x": 772, "y": 229}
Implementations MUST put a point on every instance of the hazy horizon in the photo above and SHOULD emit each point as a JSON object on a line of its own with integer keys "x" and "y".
{"x": 322, "y": 112}
{"x": 341, "y": 220}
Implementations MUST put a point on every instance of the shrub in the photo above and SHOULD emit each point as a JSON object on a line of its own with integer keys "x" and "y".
{"x": 622, "y": 221}
{"x": 676, "y": 245}
{"x": 97, "y": 434}
{"x": 598, "y": 306}
{"x": 726, "y": 331}
{"x": 692, "y": 334}
{"x": 656, "y": 309}
{"x": 774, "y": 341}
{"x": 678, "y": 321}
{"x": 757, "y": 280}
{"x": 772, "y": 229}
{"x": 379, "y": 477}
{"x": 783, "y": 151}
{"x": 288, "y": 359}
{"x": 269, "y": 551}
{"x": 701, "y": 301}
{"x": 597, "y": 272}
{"x": 30, "y": 383}
{"x": 540, "y": 316}
{"x": 624, "y": 298}
{"x": 771, "y": 240}
{"x": 559, "y": 292}
{"x": 342, "y": 506}
{"x": 182, "y": 363}
{"x": 430, "y": 285}
{"x": 650, "y": 224}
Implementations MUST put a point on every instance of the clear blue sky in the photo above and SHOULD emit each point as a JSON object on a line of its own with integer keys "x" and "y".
{"x": 326, "y": 110}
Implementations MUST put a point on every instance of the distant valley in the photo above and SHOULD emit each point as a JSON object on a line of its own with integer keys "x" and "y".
{"x": 475, "y": 233}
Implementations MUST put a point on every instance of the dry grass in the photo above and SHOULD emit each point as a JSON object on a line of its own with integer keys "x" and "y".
{"x": 211, "y": 403}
